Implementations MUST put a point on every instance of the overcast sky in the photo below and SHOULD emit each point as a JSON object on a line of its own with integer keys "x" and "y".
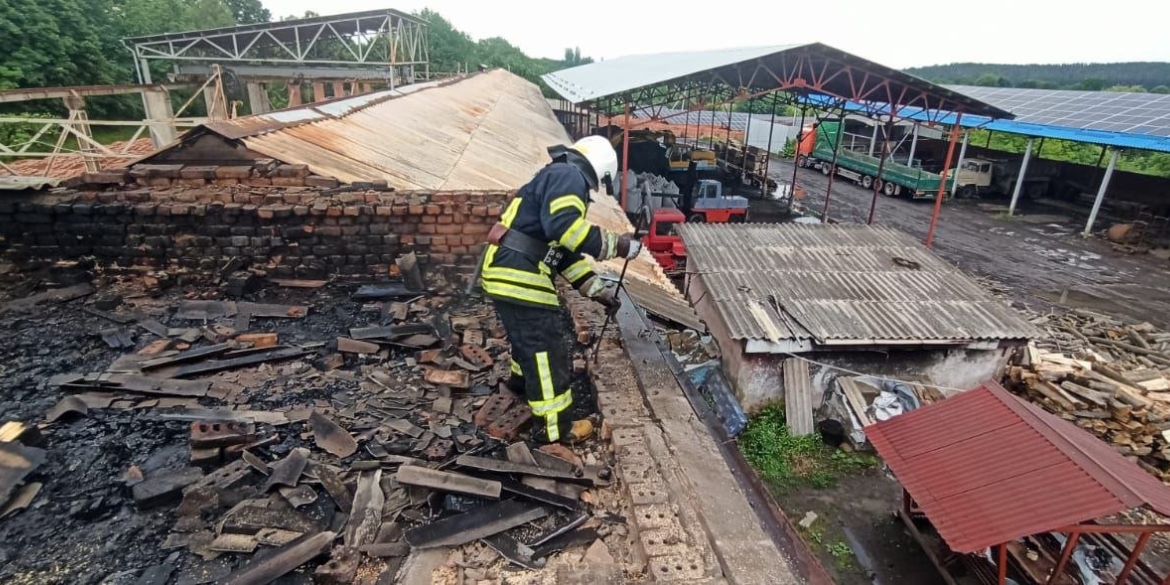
{"x": 904, "y": 33}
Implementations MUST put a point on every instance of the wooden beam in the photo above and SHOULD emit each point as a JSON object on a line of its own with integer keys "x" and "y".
{"x": 1133, "y": 557}
{"x": 1065, "y": 554}
{"x": 448, "y": 482}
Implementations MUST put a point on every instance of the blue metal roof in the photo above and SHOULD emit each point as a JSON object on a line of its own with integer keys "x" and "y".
{"x": 1105, "y": 138}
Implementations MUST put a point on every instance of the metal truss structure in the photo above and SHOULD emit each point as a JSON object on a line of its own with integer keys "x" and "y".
{"x": 345, "y": 46}
{"x": 58, "y": 140}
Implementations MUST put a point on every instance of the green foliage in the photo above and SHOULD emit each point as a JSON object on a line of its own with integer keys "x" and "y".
{"x": 1086, "y": 76}
{"x": 248, "y": 11}
{"x": 15, "y": 135}
{"x": 1160, "y": 89}
{"x": 786, "y": 461}
{"x": 789, "y": 149}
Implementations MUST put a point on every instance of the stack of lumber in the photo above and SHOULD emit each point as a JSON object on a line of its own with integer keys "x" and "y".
{"x": 1106, "y": 376}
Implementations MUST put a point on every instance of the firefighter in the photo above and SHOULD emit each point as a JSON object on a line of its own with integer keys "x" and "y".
{"x": 543, "y": 233}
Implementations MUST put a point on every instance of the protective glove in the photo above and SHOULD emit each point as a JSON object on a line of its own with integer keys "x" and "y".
{"x": 627, "y": 246}
{"x": 601, "y": 291}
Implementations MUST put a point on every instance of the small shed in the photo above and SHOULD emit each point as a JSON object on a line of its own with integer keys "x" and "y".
{"x": 988, "y": 469}
{"x": 850, "y": 298}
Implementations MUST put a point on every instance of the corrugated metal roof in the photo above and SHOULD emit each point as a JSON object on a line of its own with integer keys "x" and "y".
{"x": 489, "y": 131}
{"x": 14, "y": 183}
{"x": 840, "y": 283}
{"x": 738, "y": 67}
{"x": 987, "y": 467}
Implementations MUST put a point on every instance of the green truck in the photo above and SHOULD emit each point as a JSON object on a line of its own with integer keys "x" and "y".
{"x": 854, "y": 163}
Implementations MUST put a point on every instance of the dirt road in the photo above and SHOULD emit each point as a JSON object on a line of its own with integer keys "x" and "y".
{"x": 1037, "y": 256}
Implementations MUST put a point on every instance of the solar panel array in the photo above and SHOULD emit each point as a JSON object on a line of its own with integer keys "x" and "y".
{"x": 1126, "y": 112}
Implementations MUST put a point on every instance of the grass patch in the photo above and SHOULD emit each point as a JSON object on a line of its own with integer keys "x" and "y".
{"x": 786, "y": 461}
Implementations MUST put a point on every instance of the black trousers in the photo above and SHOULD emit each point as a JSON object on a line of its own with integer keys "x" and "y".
{"x": 541, "y": 365}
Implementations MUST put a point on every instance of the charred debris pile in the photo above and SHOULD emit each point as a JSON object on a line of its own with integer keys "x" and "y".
{"x": 325, "y": 455}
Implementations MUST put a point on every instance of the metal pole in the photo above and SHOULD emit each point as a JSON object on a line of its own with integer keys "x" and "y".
{"x": 1101, "y": 193}
{"x": 877, "y": 181}
{"x": 942, "y": 184}
{"x": 796, "y": 153}
{"x": 1002, "y": 563}
{"x": 873, "y": 139}
{"x": 1133, "y": 557}
{"x": 959, "y": 165}
{"x": 1020, "y": 178}
{"x": 832, "y": 169}
{"x": 747, "y": 136}
{"x": 625, "y": 156}
{"x": 687, "y": 120}
{"x": 988, "y": 145}
{"x": 914, "y": 146}
{"x": 1069, "y": 546}
{"x": 768, "y": 153}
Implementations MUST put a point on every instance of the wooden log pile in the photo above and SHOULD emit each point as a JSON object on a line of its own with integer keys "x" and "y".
{"x": 1106, "y": 376}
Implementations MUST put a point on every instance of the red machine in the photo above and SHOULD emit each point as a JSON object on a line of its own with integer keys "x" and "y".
{"x": 664, "y": 242}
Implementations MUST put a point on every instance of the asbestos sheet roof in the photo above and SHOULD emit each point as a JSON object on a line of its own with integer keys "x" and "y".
{"x": 840, "y": 285}
{"x": 987, "y": 467}
{"x": 741, "y": 68}
{"x": 485, "y": 132}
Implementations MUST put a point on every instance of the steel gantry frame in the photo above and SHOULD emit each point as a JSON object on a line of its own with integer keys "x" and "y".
{"x": 836, "y": 80}
{"x": 338, "y": 46}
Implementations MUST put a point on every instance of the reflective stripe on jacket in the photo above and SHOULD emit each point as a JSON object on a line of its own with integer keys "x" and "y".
{"x": 550, "y": 208}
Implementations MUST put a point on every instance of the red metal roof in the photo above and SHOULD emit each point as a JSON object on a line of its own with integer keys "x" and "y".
{"x": 987, "y": 467}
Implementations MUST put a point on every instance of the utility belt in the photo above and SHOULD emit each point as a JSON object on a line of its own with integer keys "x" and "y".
{"x": 505, "y": 237}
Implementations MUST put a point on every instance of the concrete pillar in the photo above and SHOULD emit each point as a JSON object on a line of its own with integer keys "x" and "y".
{"x": 258, "y": 98}
{"x": 159, "y": 109}
{"x": 338, "y": 89}
{"x": 1101, "y": 193}
{"x": 318, "y": 91}
{"x": 294, "y": 95}
{"x": 958, "y": 167}
{"x": 1020, "y": 178}
{"x": 914, "y": 146}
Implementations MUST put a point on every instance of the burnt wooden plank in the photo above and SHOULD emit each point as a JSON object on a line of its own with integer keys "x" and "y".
{"x": 474, "y": 525}
{"x": 283, "y": 561}
{"x": 498, "y": 466}
{"x": 213, "y": 366}
{"x": 190, "y": 355}
{"x": 538, "y": 495}
{"x": 513, "y": 550}
{"x": 390, "y": 332}
{"x": 371, "y": 292}
{"x": 263, "y": 310}
{"x": 448, "y": 482}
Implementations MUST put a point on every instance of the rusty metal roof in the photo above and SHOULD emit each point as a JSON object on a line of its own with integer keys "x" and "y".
{"x": 488, "y": 131}
{"x": 987, "y": 467}
{"x": 840, "y": 285}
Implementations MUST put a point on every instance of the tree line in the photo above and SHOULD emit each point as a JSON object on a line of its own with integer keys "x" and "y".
{"x": 1136, "y": 76}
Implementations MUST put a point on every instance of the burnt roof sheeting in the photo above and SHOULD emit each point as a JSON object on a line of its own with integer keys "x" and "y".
{"x": 489, "y": 131}
{"x": 840, "y": 283}
{"x": 620, "y": 77}
{"x": 987, "y": 467}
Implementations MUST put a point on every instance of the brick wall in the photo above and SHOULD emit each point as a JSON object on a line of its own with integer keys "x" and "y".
{"x": 295, "y": 232}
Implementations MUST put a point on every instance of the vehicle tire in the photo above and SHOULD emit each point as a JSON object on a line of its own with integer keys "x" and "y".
{"x": 890, "y": 189}
{"x": 802, "y": 161}
{"x": 880, "y": 184}
{"x": 737, "y": 219}
{"x": 697, "y": 218}
{"x": 966, "y": 192}
{"x": 866, "y": 181}
{"x": 825, "y": 170}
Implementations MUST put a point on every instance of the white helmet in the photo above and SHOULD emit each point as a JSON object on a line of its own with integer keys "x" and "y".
{"x": 601, "y": 156}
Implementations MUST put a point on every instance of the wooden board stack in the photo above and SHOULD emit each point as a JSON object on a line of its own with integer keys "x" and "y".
{"x": 1108, "y": 377}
